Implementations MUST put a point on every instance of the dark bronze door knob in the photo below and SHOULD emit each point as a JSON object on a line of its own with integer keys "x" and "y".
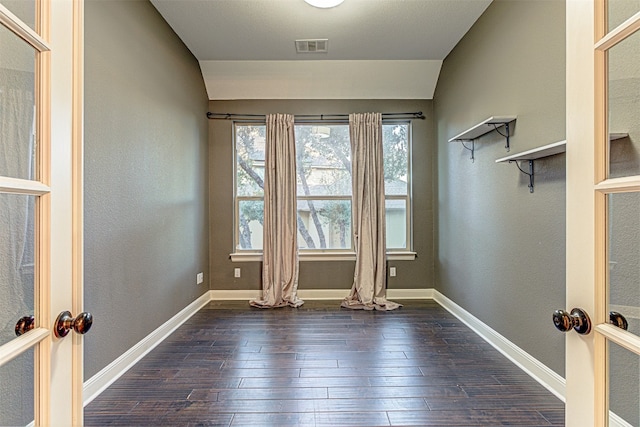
{"x": 24, "y": 325}
{"x": 618, "y": 320}
{"x": 65, "y": 322}
{"x": 577, "y": 320}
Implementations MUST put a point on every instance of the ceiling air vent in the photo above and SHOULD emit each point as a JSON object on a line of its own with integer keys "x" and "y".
{"x": 312, "y": 46}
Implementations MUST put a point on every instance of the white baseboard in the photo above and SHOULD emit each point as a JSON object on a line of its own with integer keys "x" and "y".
{"x": 323, "y": 294}
{"x": 537, "y": 370}
{"x": 617, "y": 421}
{"x": 107, "y": 376}
{"x": 233, "y": 295}
{"x": 409, "y": 294}
{"x": 319, "y": 294}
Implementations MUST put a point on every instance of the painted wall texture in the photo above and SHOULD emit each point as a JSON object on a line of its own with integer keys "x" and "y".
{"x": 146, "y": 196}
{"x": 417, "y": 274}
{"x": 501, "y": 250}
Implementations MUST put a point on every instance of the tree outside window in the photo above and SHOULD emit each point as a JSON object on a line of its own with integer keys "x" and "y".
{"x": 323, "y": 164}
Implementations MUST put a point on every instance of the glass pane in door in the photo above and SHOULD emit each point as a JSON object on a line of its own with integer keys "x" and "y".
{"x": 620, "y": 10}
{"x": 624, "y": 257}
{"x": 17, "y": 271}
{"x": 624, "y": 386}
{"x": 17, "y": 390}
{"x": 17, "y": 106}
{"x": 624, "y": 107}
{"x": 25, "y": 10}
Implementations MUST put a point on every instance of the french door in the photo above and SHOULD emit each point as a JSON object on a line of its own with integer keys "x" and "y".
{"x": 603, "y": 211}
{"x": 40, "y": 211}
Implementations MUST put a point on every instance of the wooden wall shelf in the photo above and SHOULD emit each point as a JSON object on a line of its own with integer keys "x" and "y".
{"x": 482, "y": 128}
{"x": 545, "y": 151}
{"x": 537, "y": 153}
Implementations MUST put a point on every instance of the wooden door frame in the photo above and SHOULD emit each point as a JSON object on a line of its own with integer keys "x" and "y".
{"x": 66, "y": 124}
{"x": 77, "y": 150}
{"x": 58, "y": 217}
{"x": 580, "y": 205}
{"x": 42, "y": 372}
{"x": 588, "y": 186}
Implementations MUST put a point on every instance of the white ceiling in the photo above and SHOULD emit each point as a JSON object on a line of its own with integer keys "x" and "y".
{"x": 363, "y": 34}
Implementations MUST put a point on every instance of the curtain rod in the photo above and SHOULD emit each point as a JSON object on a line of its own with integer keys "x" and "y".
{"x": 310, "y": 117}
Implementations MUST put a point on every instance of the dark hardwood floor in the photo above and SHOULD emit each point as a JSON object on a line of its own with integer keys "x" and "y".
{"x": 320, "y": 365}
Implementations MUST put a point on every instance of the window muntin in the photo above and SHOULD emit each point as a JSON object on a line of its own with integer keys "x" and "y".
{"x": 323, "y": 163}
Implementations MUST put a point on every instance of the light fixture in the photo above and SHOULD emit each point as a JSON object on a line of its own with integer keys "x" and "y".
{"x": 324, "y": 4}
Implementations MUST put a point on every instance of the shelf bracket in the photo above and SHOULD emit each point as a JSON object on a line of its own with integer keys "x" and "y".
{"x": 531, "y": 172}
{"x": 508, "y": 147}
{"x": 506, "y": 135}
{"x": 472, "y": 149}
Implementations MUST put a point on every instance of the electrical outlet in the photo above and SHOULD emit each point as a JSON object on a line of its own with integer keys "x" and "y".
{"x": 392, "y": 272}
{"x": 236, "y": 272}
{"x": 199, "y": 278}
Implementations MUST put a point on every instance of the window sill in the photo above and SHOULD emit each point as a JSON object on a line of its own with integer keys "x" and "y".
{"x": 324, "y": 256}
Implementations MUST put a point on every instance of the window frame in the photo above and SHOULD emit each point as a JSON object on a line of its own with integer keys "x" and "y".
{"x": 346, "y": 254}
{"x": 334, "y": 251}
{"x": 409, "y": 196}
{"x": 236, "y": 221}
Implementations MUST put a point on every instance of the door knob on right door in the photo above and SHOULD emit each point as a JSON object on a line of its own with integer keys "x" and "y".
{"x": 65, "y": 323}
{"x": 577, "y": 320}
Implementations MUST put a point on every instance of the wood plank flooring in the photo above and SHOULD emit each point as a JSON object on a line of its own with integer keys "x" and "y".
{"x": 321, "y": 365}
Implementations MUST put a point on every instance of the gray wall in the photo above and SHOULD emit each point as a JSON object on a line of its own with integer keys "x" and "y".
{"x": 501, "y": 250}
{"x": 146, "y": 220}
{"x": 417, "y": 274}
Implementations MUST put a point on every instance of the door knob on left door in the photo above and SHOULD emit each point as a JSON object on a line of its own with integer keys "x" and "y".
{"x": 24, "y": 325}
{"x": 65, "y": 322}
{"x": 577, "y": 319}
{"x": 618, "y": 320}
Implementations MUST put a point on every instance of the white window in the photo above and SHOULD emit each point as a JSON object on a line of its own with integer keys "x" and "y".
{"x": 249, "y": 206}
{"x": 323, "y": 166}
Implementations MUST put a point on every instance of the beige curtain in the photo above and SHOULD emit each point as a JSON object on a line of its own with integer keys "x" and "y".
{"x": 369, "y": 281}
{"x": 280, "y": 243}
